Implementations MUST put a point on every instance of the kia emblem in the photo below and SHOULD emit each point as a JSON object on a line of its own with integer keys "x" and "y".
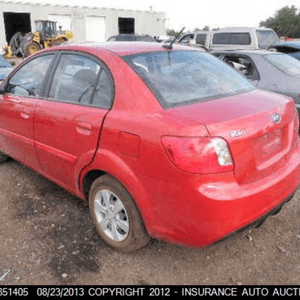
{"x": 276, "y": 118}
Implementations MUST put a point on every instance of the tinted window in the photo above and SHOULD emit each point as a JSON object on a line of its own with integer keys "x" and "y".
{"x": 284, "y": 63}
{"x": 28, "y": 81}
{"x": 232, "y": 38}
{"x": 125, "y": 38}
{"x": 181, "y": 77}
{"x": 145, "y": 38}
{"x": 200, "y": 39}
{"x": 79, "y": 79}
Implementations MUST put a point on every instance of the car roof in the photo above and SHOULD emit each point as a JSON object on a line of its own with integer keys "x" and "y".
{"x": 239, "y": 29}
{"x": 124, "y": 48}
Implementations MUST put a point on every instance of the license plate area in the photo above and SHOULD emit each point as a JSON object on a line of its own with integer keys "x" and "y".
{"x": 268, "y": 145}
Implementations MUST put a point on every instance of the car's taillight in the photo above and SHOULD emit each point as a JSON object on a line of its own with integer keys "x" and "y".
{"x": 203, "y": 155}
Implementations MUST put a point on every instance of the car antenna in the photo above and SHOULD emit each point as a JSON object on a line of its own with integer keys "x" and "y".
{"x": 171, "y": 45}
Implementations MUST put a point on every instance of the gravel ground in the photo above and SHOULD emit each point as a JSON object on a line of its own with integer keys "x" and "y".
{"x": 47, "y": 237}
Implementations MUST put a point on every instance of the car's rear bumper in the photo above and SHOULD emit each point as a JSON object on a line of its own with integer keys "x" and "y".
{"x": 201, "y": 210}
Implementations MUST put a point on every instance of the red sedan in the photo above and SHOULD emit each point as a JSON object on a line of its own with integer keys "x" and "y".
{"x": 165, "y": 143}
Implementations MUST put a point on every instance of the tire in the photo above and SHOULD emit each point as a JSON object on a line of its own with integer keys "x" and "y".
{"x": 30, "y": 48}
{"x": 3, "y": 158}
{"x": 115, "y": 215}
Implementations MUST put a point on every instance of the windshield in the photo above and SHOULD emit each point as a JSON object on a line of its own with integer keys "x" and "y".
{"x": 266, "y": 38}
{"x": 284, "y": 63}
{"x": 181, "y": 77}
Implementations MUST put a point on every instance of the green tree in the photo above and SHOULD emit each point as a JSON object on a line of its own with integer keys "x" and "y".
{"x": 285, "y": 22}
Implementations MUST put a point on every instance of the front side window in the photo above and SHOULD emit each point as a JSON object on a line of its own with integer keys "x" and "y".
{"x": 29, "y": 79}
{"x": 181, "y": 77}
{"x": 284, "y": 63}
{"x": 80, "y": 79}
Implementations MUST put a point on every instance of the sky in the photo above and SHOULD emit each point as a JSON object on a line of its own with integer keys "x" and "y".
{"x": 193, "y": 14}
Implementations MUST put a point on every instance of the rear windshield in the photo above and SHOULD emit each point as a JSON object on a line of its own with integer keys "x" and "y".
{"x": 240, "y": 38}
{"x": 284, "y": 63}
{"x": 181, "y": 77}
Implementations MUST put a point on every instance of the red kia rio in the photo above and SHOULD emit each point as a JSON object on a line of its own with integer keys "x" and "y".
{"x": 171, "y": 144}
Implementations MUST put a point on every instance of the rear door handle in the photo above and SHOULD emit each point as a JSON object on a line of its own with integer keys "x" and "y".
{"x": 83, "y": 128}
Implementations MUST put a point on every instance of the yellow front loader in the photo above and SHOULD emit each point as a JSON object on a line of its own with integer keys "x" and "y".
{"x": 45, "y": 36}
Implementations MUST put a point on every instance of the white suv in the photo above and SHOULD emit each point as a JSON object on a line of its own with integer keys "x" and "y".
{"x": 232, "y": 38}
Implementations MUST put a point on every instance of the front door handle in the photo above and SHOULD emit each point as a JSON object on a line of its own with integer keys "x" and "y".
{"x": 25, "y": 113}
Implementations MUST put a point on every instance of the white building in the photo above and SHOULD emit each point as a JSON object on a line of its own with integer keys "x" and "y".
{"x": 89, "y": 24}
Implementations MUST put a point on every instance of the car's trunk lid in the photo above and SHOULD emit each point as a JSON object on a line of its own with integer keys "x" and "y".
{"x": 258, "y": 126}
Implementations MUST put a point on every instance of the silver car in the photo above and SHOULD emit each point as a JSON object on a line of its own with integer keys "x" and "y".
{"x": 267, "y": 70}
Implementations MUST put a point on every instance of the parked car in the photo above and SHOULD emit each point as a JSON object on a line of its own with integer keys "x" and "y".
{"x": 247, "y": 38}
{"x": 291, "y": 48}
{"x": 267, "y": 70}
{"x": 170, "y": 144}
{"x": 5, "y": 68}
{"x": 131, "y": 38}
{"x": 199, "y": 38}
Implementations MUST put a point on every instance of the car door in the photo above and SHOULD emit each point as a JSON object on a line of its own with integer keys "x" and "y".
{"x": 67, "y": 124}
{"x": 17, "y": 106}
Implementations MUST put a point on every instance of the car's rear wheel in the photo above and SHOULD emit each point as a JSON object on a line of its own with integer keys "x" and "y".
{"x": 115, "y": 215}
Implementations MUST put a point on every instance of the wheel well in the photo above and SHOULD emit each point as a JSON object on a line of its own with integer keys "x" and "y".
{"x": 89, "y": 179}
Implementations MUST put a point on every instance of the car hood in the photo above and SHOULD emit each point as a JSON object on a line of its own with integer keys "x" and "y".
{"x": 293, "y": 45}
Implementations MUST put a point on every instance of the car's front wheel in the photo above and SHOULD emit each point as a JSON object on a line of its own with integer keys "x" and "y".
{"x": 115, "y": 215}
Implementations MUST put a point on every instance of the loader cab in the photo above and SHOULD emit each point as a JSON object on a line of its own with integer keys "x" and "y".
{"x": 46, "y": 28}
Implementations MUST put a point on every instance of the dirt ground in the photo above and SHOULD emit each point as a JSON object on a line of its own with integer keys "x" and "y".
{"x": 47, "y": 237}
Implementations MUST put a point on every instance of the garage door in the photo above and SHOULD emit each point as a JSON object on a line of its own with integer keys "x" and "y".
{"x": 95, "y": 29}
{"x": 62, "y": 20}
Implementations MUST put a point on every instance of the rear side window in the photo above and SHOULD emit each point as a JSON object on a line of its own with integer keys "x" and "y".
{"x": 80, "y": 79}
{"x": 227, "y": 38}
